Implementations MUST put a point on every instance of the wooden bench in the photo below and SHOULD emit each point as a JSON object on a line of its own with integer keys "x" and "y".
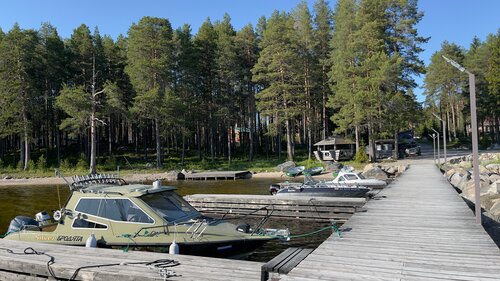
{"x": 284, "y": 262}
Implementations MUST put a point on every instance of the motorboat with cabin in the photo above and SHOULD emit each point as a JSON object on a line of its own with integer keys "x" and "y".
{"x": 314, "y": 188}
{"x": 352, "y": 178}
{"x": 105, "y": 211}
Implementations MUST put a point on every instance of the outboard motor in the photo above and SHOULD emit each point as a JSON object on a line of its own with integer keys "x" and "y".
{"x": 42, "y": 218}
{"x": 21, "y": 222}
{"x": 273, "y": 189}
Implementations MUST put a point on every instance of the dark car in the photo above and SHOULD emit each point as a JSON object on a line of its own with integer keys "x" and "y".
{"x": 412, "y": 149}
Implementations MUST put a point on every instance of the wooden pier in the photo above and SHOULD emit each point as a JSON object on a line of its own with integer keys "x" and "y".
{"x": 218, "y": 175}
{"x": 68, "y": 259}
{"x": 418, "y": 228}
{"x": 313, "y": 208}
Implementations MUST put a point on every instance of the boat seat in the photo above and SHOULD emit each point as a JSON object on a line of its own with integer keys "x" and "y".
{"x": 284, "y": 262}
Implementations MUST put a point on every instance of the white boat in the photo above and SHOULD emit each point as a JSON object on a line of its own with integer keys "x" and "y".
{"x": 313, "y": 188}
{"x": 357, "y": 179}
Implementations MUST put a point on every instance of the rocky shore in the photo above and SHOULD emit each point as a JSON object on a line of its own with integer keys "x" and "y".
{"x": 459, "y": 173}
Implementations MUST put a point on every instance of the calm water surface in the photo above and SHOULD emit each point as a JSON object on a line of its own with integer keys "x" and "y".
{"x": 28, "y": 200}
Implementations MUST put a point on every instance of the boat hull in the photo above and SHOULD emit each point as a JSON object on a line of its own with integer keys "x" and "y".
{"x": 324, "y": 192}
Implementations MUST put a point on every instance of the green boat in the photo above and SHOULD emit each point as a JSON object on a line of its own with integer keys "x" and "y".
{"x": 295, "y": 171}
{"x": 105, "y": 211}
{"x": 313, "y": 171}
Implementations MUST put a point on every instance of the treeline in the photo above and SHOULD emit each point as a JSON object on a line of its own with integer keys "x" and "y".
{"x": 294, "y": 78}
{"x": 447, "y": 90}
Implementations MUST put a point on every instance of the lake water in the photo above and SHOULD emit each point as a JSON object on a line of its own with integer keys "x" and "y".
{"x": 29, "y": 200}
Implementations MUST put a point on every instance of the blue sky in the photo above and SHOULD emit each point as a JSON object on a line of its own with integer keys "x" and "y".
{"x": 452, "y": 20}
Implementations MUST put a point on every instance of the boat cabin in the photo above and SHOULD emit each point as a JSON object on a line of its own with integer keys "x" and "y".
{"x": 335, "y": 149}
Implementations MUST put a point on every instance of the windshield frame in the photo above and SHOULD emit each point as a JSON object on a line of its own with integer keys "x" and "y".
{"x": 192, "y": 213}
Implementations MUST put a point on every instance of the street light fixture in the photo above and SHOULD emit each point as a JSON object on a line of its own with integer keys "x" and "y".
{"x": 439, "y": 158}
{"x": 444, "y": 134}
{"x": 475, "y": 149}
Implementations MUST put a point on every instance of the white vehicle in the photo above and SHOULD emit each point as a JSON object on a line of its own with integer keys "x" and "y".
{"x": 357, "y": 179}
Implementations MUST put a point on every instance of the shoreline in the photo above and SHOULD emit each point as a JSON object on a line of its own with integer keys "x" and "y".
{"x": 135, "y": 178}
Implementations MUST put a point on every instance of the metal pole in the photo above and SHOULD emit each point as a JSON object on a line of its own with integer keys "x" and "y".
{"x": 433, "y": 136}
{"x": 438, "y": 156}
{"x": 444, "y": 139}
{"x": 475, "y": 152}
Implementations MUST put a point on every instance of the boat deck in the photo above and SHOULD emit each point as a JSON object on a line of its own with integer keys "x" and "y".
{"x": 418, "y": 228}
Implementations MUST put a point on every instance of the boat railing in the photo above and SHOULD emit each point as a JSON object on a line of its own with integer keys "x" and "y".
{"x": 80, "y": 182}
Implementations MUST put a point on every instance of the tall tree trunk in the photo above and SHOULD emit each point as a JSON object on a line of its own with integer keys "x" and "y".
{"x": 356, "y": 133}
{"x": 396, "y": 144}
{"x": 93, "y": 141}
{"x": 26, "y": 141}
{"x": 158, "y": 143}
{"x": 212, "y": 136}
{"x": 183, "y": 152}
{"x": 289, "y": 141}
{"x": 110, "y": 137}
{"x": 229, "y": 137}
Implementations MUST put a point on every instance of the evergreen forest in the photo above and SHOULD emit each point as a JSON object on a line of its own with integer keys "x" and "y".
{"x": 160, "y": 93}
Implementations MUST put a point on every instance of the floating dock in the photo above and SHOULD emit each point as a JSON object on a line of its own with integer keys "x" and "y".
{"x": 219, "y": 175}
{"x": 67, "y": 259}
{"x": 301, "y": 207}
{"x": 418, "y": 228}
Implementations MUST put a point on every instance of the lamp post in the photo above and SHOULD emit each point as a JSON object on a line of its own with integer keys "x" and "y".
{"x": 433, "y": 136}
{"x": 444, "y": 134}
{"x": 439, "y": 158}
{"x": 473, "y": 121}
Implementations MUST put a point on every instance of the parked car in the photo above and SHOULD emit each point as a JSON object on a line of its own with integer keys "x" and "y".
{"x": 413, "y": 149}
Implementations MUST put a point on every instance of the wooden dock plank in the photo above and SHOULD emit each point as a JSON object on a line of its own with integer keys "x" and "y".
{"x": 418, "y": 228}
{"x": 68, "y": 259}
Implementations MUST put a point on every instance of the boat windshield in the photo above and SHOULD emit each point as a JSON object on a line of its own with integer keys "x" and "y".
{"x": 361, "y": 176}
{"x": 170, "y": 206}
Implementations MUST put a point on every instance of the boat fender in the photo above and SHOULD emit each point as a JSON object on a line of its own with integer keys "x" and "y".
{"x": 57, "y": 215}
{"x": 174, "y": 248}
{"x": 91, "y": 242}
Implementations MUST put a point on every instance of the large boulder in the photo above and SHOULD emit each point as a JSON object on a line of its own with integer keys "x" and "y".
{"x": 469, "y": 190}
{"x": 483, "y": 170}
{"x": 456, "y": 179}
{"x": 494, "y": 178}
{"x": 370, "y": 166}
{"x": 391, "y": 170}
{"x": 493, "y": 168}
{"x": 376, "y": 173}
{"x": 495, "y": 208}
{"x": 285, "y": 166}
{"x": 333, "y": 166}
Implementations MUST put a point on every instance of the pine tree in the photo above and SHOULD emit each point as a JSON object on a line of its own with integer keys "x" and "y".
{"x": 246, "y": 44}
{"x": 441, "y": 86}
{"x": 149, "y": 67}
{"x": 309, "y": 66}
{"x": 184, "y": 84}
{"x": 20, "y": 86}
{"x": 342, "y": 76}
{"x": 493, "y": 79}
{"x": 278, "y": 67}
{"x": 206, "y": 49}
{"x": 323, "y": 23}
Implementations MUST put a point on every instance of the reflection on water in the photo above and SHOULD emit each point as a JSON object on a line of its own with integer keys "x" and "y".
{"x": 29, "y": 200}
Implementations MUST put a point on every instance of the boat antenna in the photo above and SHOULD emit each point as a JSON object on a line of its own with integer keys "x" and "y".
{"x": 59, "y": 174}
